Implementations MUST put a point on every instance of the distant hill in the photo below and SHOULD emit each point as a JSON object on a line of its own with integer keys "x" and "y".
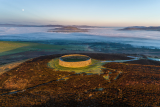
{"x": 16, "y": 25}
{"x": 151, "y": 28}
{"x": 21, "y": 25}
{"x": 68, "y": 29}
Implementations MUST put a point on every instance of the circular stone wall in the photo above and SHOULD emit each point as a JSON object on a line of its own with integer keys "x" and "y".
{"x": 74, "y": 60}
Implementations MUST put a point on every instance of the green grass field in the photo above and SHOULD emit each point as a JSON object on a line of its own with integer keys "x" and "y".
{"x": 94, "y": 68}
{"x": 8, "y": 47}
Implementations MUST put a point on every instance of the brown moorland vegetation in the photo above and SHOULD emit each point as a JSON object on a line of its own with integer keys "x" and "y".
{"x": 138, "y": 85}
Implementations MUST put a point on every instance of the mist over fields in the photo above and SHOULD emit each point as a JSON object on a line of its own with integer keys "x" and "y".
{"x": 109, "y": 34}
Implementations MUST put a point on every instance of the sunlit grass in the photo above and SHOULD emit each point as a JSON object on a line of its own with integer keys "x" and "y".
{"x": 8, "y": 47}
{"x": 94, "y": 68}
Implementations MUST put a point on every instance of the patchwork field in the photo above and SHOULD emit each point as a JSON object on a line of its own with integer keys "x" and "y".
{"x": 8, "y": 47}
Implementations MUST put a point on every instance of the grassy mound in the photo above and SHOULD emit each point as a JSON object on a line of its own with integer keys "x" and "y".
{"x": 94, "y": 68}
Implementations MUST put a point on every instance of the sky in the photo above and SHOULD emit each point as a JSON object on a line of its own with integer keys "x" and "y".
{"x": 81, "y": 12}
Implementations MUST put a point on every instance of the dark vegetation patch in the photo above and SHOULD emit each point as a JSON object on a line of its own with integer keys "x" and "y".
{"x": 144, "y": 62}
{"x": 103, "y": 56}
{"x": 138, "y": 85}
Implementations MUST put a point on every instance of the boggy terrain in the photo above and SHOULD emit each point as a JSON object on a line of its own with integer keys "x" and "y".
{"x": 39, "y": 85}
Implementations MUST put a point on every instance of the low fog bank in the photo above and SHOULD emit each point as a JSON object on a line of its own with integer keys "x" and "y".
{"x": 150, "y": 39}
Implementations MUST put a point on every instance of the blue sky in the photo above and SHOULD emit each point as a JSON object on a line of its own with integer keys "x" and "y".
{"x": 81, "y": 12}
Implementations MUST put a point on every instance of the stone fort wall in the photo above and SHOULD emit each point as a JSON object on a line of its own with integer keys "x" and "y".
{"x": 74, "y": 64}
